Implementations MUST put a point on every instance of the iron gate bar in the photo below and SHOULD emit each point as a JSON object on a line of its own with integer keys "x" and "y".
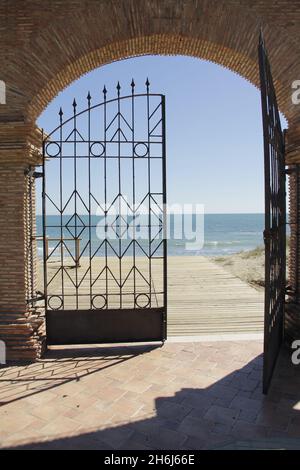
{"x": 275, "y": 219}
{"x": 165, "y": 235}
{"x": 59, "y": 316}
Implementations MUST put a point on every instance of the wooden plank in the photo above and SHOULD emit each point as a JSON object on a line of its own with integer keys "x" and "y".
{"x": 203, "y": 298}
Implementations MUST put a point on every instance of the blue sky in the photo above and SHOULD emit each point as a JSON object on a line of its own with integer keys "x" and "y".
{"x": 214, "y": 127}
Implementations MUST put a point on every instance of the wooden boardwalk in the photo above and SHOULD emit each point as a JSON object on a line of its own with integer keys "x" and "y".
{"x": 203, "y": 298}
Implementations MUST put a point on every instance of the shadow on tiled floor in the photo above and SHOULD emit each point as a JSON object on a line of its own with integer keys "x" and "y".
{"x": 181, "y": 396}
{"x": 60, "y": 367}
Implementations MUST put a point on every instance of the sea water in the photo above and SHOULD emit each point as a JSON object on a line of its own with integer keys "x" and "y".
{"x": 223, "y": 234}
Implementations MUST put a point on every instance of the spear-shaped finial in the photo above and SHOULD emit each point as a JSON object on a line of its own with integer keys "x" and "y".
{"x": 104, "y": 91}
{"x": 60, "y": 114}
{"x": 132, "y": 86}
{"x": 147, "y": 84}
{"x": 118, "y": 88}
{"x": 89, "y": 99}
{"x": 261, "y": 35}
{"x": 74, "y": 105}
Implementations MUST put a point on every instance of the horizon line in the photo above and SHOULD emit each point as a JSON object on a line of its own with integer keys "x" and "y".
{"x": 204, "y": 213}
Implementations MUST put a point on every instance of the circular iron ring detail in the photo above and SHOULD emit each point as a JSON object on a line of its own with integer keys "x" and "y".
{"x": 142, "y": 296}
{"x": 50, "y": 299}
{"x": 141, "y": 145}
{"x": 53, "y": 154}
{"x": 98, "y": 154}
{"x": 104, "y": 302}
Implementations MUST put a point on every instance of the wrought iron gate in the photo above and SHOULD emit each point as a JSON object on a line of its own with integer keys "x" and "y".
{"x": 104, "y": 221}
{"x": 275, "y": 219}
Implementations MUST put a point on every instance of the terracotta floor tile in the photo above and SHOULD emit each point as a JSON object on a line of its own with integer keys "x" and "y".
{"x": 180, "y": 396}
{"x": 60, "y": 426}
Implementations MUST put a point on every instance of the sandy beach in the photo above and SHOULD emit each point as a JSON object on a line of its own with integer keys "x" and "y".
{"x": 249, "y": 266}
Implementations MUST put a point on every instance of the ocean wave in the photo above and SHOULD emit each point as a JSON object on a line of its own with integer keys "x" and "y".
{"x": 223, "y": 243}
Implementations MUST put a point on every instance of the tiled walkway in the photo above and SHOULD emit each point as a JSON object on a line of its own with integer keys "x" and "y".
{"x": 180, "y": 396}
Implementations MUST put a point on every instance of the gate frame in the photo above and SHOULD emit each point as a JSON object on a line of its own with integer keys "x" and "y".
{"x": 275, "y": 256}
{"x": 138, "y": 324}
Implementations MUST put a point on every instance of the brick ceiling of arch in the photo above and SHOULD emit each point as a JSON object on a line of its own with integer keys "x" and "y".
{"x": 44, "y": 49}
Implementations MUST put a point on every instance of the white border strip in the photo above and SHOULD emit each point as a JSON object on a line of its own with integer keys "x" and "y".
{"x": 216, "y": 337}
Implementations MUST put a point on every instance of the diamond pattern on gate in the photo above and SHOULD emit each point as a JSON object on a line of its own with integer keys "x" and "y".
{"x": 77, "y": 227}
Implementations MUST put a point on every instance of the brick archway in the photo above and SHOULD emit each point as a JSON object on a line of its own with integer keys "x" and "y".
{"x": 43, "y": 51}
{"x": 164, "y": 45}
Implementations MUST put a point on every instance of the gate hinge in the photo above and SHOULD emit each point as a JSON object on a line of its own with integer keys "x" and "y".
{"x": 272, "y": 233}
{"x": 39, "y": 296}
{"x": 34, "y": 174}
{"x": 267, "y": 235}
{"x": 290, "y": 291}
{"x": 290, "y": 171}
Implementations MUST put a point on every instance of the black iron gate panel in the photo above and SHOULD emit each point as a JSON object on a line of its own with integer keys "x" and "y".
{"x": 275, "y": 219}
{"x": 104, "y": 221}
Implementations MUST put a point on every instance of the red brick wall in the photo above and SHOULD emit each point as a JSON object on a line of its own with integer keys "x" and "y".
{"x": 19, "y": 323}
